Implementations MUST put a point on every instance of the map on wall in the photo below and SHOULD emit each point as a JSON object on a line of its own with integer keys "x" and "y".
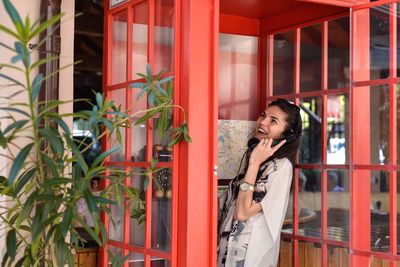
{"x": 232, "y": 143}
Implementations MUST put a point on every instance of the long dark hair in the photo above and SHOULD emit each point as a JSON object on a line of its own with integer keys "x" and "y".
{"x": 293, "y": 129}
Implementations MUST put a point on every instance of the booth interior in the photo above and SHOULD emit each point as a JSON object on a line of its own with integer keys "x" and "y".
{"x": 257, "y": 58}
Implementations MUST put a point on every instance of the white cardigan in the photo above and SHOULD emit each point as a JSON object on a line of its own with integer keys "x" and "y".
{"x": 263, "y": 248}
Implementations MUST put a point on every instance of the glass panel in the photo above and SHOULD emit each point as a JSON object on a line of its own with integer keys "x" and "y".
{"x": 159, "y": 262}
{"x": 137, "y": 213}
{"x": 117, "y": 252}
{"x": 136, "y": 259}
{"x": 338, "y": 53}
{"x": 116, "y": 221}
{"x": 380, "y": 203}
{"x": 310, "y": 151}
{"x": 140, "y": 38}
{"x": 310, "y": 203}
{"x": 138, "y": 145}
{"x": 338, "y": 185}
{"x": 310, "y": 58}
{"x": 138, "y": 104}
{"x": 119, "y": 97}
{"x": 379, "y": 42}
{"x": 379, "y": 124}
{"x": 338, "y": 256}
{"x": 285, "y": 253}
{"x": 118, "y": 47}
{"x": 160, "y": 147}
{"x": 238, "y": 70}
{"x": 164, "y": 35}
{"x": 338, "y": 129}
{"x": 283, "y": 62}
{"x": 310, "y": 254}
{"x": 161, "y": 210}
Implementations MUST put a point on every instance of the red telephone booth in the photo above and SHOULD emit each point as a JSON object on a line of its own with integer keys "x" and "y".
{"x": 336, "y": 59}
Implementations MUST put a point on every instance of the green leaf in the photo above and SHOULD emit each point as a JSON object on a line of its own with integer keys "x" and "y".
{"x": 166, "y": 79}
{"x": 136, "y": 85}
{"x": 148, "y": 72}
{"x": 99, "y": 100}
{"x": 99, "y": 159}
{"x": 12, "y": 12}
{"x": 11, "y": 67}
{"x": 54, "y": 140}
{"x": 18, "y": 163}
{"x": 23, "y": 179}
{"x": 89, "y": 230}
{"x": 8, "y": 31}
{"x": 11, "y": 243}
{"x": 15, "y": 125}
{"x": 50, "y": 164}
{"x": 90, "y": 201}
{"x": 36, "y": 86}
{"x": 3, "y": 140}
{"x": 61, "y": 252}
{"x": 43, "y": 26}
{"x": 148, "y": 115}
{"x": 66, "y": 221}
{"x": 20, "y": 111}
{"x": 43, "y": 61}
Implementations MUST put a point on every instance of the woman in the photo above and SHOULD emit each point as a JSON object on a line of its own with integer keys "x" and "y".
{"x": 253, "y": 214}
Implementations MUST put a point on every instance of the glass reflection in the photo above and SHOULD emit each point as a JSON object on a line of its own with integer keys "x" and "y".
{"x": 137, "y": 208}
{"x": 310, "y": 58}
{"x": 136, "y": 259}
{"x": 164, "y": 35}
{"x": 283, "y": 62}
{"x": 116, "y": 252}
{"x": 310, "y": 151}
{"x": 160, "y": 262}
{"x": 338, "y": 129}
{"x": 138, "y": 143}
{"x": 140, "y": 38}
{"x": 338, "y": 53}
{"x": 119, "y": 97}
{"x": 380, "y": 202}
{"x": 161, "y": 151}
{"x": 309, "y": 203}
{"x": 118, "y": 47}
{"x": 379, "y": 42}
{"x": 338, "y": 205}
{"x": 161, "y": 210}
{"x": 379, "y": 124}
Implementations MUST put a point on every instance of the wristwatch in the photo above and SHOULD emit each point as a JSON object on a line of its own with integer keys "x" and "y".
{"x": 246, "y": 187}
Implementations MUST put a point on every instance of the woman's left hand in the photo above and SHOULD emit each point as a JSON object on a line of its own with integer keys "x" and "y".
{"x": 263, "y": 151}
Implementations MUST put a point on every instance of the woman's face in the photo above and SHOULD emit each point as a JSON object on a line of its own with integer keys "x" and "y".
{"x": 271, "y": 123}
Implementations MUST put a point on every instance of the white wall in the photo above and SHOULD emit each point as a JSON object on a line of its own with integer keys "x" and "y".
{"x": 32, "y": 8}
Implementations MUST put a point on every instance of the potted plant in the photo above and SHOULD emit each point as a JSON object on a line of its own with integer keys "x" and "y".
{"x": 49, "y": 174}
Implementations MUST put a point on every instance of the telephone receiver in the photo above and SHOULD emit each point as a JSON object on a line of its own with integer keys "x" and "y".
{"x": 253, "y": 142}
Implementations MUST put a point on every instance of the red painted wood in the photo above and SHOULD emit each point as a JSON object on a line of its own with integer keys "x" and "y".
{"x": 238, "y": 25}
{"x": 359, "y": 145}
{"x": 341, "y": 3}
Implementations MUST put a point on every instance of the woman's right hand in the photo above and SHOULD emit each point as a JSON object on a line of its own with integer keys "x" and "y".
{"x": 263, "y": 151}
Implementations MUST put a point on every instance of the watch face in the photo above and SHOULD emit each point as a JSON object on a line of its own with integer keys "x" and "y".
{"x": 245, "y": 187}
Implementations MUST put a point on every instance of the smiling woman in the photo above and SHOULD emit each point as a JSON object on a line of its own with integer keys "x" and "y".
{"x": 253, "y": 213}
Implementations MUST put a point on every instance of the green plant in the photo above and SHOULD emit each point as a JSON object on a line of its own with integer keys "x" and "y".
{"x": 49, "y": 174}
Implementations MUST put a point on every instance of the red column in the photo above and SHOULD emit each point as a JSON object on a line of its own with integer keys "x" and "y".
{"x": 197, "y": 182}
{"x": 360, "y": 139}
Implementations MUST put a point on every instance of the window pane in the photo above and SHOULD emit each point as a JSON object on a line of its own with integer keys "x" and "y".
{"x": 380, "y": 211}
{"x": 138, "y": 145}
{"x": 283, "y": 63}
{"x": 136, "y": 259}
{"x": 310, "y": 203}
{"x": 116, "y": 252}
{"x": 161, "y": 210}
{"x": 164, "y": 35}
{"x": 238, "y": 70}
{"x": 379, "y": 42}
{"x": 116, "y": 222}
{"x": 137, "y": 209}
{"x": 119, "y": 97}
{"x": 338, "y": 129}
{"x": 160, "y": 144}
{"x": 310, "y": 151}
{"x": 140, "y": 37}
{"x": 118, "y": 46}
{"x": 338, "y": 205}
{"x": 310, "y": 58}
{"x": 159, "y": 262}
{"x": 379, "y": 124}
{"x": 338, "y": 53}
